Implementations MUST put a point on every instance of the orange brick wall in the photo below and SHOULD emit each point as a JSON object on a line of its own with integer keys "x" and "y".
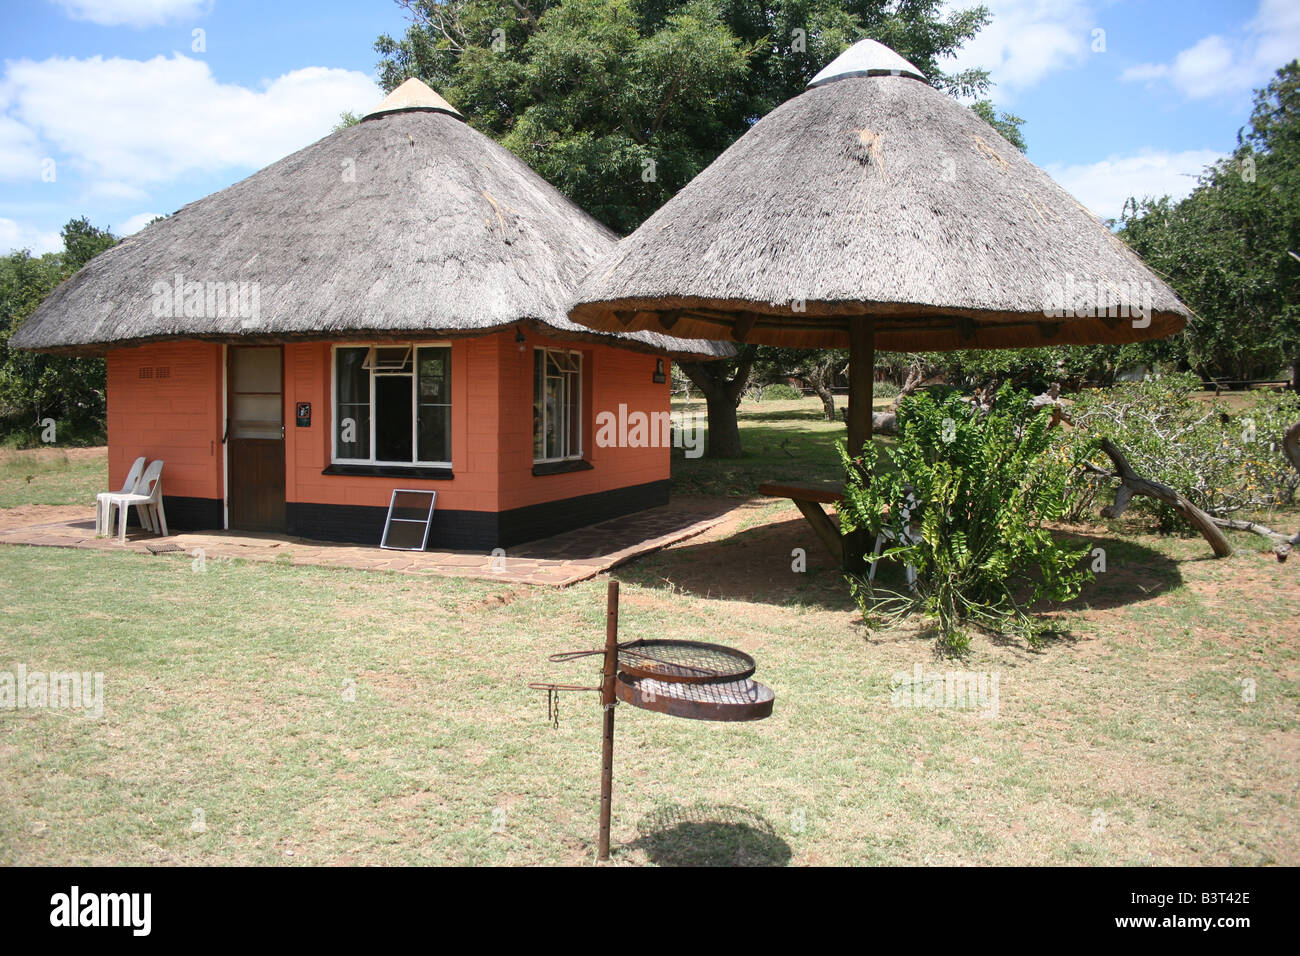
{"x": 177, "y": 418}
{"x": 610, "y": 376}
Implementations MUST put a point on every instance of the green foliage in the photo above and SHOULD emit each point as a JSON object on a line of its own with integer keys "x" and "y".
{"x": 620, "y": 103}
{"x": 1008, "y": 124}
{"x": 1219, "y": 460}
{"x": 964, "y": 505}
{"x": 35, "y": 386}
{"x": 780, "y": 392}
{"x": 1226, "y": 248}
{"x": 346, "y": 118}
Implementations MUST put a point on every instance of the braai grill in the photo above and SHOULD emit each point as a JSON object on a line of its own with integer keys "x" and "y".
{"x": 688, "y": 679}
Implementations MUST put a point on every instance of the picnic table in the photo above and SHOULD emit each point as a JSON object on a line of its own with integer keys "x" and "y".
{"x": 809, "y": 497}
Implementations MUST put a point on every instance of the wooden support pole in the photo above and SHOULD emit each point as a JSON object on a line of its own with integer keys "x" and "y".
{"x": 608, "y": 702}
{"x": 862, "y": 374}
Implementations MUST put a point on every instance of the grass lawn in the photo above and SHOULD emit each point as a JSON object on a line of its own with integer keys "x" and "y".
{"x": 227, "y": 702}
{"x": 52, "y": 476}
{"x": 782, "y": 440}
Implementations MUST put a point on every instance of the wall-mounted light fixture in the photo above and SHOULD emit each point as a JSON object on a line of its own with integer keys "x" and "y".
{"x": 659, "y": 377}
{"x": 519, "y": 337}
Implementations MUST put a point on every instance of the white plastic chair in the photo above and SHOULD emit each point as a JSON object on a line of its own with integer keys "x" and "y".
{"x": 101, "y": 499}
{"x": 147, "y": 500}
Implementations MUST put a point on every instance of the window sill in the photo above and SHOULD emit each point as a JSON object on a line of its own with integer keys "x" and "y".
{"x": 390, "y": 471}
{"x": 561, "y": 467}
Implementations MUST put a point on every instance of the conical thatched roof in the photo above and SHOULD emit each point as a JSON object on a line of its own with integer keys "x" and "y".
{"x": 408, "y": 223}
{"x": 873, "y": 194}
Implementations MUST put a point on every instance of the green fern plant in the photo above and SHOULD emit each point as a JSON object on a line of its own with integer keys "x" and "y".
{"x": 964, "y": 508}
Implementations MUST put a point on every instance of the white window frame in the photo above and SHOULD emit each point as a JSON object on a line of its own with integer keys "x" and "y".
{"x": 414, "y": 348}
{"x": 575, "y": 455}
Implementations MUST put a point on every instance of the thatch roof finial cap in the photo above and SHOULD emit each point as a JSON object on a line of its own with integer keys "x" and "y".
{"x": 413, "y": 95}
{"x": 866, "y": 58}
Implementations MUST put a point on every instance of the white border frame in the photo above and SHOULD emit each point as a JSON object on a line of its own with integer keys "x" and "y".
{"x": 582, "y": 371}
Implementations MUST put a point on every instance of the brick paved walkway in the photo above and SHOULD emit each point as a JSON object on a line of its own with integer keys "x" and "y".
{"x": 560, "y": 561}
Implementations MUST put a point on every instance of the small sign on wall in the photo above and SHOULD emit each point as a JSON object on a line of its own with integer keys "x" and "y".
{"x": 303, "y": 415}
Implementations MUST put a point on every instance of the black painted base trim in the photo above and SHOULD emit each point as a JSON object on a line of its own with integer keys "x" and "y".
{"x": 451, "y": 531}
{"x": 189, "y": 514}
{"x": 363, "y": 524}
{"x": 553, "y": 517}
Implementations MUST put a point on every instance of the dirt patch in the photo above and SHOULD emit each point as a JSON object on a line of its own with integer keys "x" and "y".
{"x": 48, "y": 455}
{"x": 28, "y": 515}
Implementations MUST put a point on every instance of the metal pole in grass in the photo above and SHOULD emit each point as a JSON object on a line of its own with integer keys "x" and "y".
{"x": 608, "y": 703}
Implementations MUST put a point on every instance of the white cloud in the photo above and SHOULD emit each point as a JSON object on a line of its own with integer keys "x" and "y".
{"x": 20, "y": 152}
{"x": 132, "y": 122}
{"x": 1217, "y": 65}
{"x": 1028, "y": 39}
{"x": 15, "y": 236}
{"x": 133, "y": 13}
{"x": 136, "y": 223}
{"x": 1104, "y": 186}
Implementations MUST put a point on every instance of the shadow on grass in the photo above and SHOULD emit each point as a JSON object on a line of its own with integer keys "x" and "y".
{"x": 754, "y": 565}
{"x": 710, "y": 835}
{"x": 1133, "y": 573}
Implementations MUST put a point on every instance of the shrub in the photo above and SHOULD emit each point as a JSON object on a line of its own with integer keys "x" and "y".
{"x": 1221, "y": 461}
{"x": 964, "y": 506}
{"x": 780, "y": 393}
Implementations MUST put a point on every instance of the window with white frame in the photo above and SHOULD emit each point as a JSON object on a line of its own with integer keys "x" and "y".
{"x": 557, "y": 405}
{"x": 392, "y": 404}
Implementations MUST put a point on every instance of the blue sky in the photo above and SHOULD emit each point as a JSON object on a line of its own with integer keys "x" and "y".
{"x": 109, "y": 109}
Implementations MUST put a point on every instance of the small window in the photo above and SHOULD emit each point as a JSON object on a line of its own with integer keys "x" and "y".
{"x": 389, "y": 359}
{"x": 392, "y": 405}
{"x": 557, "y": 405}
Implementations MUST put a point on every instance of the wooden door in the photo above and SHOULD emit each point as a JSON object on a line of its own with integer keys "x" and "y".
{"x": 255, "y": 438}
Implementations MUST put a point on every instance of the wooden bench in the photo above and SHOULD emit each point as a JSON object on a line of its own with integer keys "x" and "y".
{"x": 809, "y": 496}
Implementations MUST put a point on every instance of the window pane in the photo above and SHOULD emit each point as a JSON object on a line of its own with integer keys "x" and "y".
{"x": 434, "y": 428}
{"x": 352, "y": 416}
{"x": 393, "y": 418}
{"x": 255, "y": 370}
{"x": 554, "y": 416}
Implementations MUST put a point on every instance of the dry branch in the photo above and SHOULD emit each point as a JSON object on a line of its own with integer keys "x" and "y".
{"x": 1131, "y": 483}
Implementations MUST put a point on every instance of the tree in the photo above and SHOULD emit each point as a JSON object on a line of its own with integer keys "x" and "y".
{"x": 35, "y": 386}
{"x": 1229, "y": 247}
{"x": 620, "y": 103}
{"x": 816, "y": 368}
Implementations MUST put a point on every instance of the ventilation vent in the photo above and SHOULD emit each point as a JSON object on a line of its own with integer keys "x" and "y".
{"x": 162, "y": 371}
{"x": 146, "y": 372}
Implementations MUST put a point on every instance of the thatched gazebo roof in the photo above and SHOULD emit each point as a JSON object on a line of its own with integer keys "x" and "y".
{"x": 873, "y": 195}
{"x": 407, "y": 223}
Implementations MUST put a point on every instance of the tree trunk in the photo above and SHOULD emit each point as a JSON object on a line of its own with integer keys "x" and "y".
{"x": 1131, "y": 483}
{"x": 724, "y": 430}
{"x": 721, "y": 396}
{"x": 828, "y": 400}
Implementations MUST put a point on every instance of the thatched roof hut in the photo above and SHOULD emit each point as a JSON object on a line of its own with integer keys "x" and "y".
{"x": 873, "y": 194}
{"x": 382, "y": 313}
{"x": 410, "y": 221}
